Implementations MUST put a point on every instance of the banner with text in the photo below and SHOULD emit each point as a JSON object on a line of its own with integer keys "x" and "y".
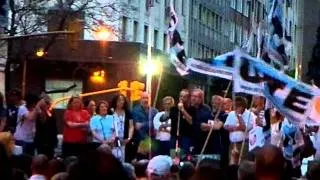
{"x": 298, "y": 101}
{"x": 208, "y": 69}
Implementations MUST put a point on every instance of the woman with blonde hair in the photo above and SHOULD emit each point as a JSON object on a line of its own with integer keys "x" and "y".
{"x": 7, "y": 140}
{"x": 76, "y": 125}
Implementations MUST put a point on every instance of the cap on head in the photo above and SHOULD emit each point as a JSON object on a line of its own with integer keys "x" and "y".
{"x": 160, "y": 165}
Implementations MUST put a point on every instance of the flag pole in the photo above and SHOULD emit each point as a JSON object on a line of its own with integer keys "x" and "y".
{"x": 149, "y": 77}
{"x": 211, "y": 129}
{"x": 245, "y": 132}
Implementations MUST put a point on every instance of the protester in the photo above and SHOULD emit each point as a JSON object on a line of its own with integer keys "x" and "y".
{"x": 270, "y": 164}
{"x": 143, "y": 115}
{"x": 276, "y": 126}
{"x": 98, "y": 165}
{"x": 218, "y": 142}
{"x": 159, "y": 168}
{"x": 14, "y": 101}
{"x": 227, "y": 105}
{"x": 75, "y": 131}
{"x": 45, "y": 139}
{"x": 183, "y": 114}
{"x": 202, "y": 114}
{"x": 313, "y": 172}
{"x": 91, "y": 107}
{"x": 215, "y": 144}
{"x": 55, "y": 166}
{"x": 3, "y": 116}
{"x": 247, "y": 171}
{"x": 101, "y": 126}
{"x": 130, "y": 171}
{"x": 26, "y": 119}
{"x": 292, "y": 142}
{"x": 39, "y": 167}
{"x": 187, "y": 170}
{"x": 239, "y": 122}
{"x": 196, "y": 120}
{"x": 6, "y": 139}
{"x": 5, "y": 164}
{"x": 261, "y": 126}
{"x": 141, "y": 169}
{"x": 124, "y": 128}
{"x": 208, "y": 169}
{"x": 162, "y": 126}
{"x": 316, "y": 143}
{"x": 60, "y": 176}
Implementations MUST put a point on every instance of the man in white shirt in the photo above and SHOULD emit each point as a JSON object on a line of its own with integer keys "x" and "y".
{"x": 239, "y": 122}
{"x": 162, "y": 125}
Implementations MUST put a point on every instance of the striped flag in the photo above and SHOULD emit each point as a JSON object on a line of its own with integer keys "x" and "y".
{"x": 273, "y": 48}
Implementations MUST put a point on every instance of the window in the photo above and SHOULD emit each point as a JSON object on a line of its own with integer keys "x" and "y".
{"x": 246, "y": 8}
{"x": 167, "y": 3}
{"x": 165, "y": 45}
{"x": 155, "y": 39}
{"x": 239, "y": 5}
{"x": 217, "y": 23}
{"x": 194, "y": 11}
{"x": 54, "y": 84}
{"x": 200, "y": 12}
{"x": 135, "y": 31}
{"x": 233, "y": 4}
{"x": 239, "y": 34}
{"x": 232, "y": 31}
{"x": 185, "y": 7}
{"x": 220, "y": 24}
{"x": 202, "y": 51}
{"x": 124, "y": 27}
{"x": 258, "y": 12}
{"x": 208, "y": 18}
{"x": 146, "y": 34}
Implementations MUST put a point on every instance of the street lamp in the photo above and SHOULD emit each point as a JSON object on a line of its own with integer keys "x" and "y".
{"x": 150, "y": 68}
{"x": 40, "y": 53}
{"x": 102, "y": 33}
{"x": 98, "y": 76}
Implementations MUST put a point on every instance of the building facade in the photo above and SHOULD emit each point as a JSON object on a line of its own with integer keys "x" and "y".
{"x": 134, "y": 25}
{"x": 208, "y": 28}
{"x": 302, "y": 18}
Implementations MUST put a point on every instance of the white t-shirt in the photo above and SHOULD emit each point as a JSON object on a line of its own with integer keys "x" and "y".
{"x": 161, "y": 135}
{"x": 25, "y": 129}
{"x": 232, "y": 119}
{"x": 37, "y": 177}
{"x": 276, "y": 137}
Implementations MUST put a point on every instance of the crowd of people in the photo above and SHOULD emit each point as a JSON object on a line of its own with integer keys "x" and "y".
{"x": 111, "y": 140}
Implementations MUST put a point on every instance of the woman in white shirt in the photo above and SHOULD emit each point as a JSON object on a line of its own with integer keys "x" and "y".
{"x": 162, "y": 125}
{"x": 124, "y": 128}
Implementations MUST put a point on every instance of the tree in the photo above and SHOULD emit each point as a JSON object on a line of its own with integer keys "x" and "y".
{"x": 31, "y": 16}
{"x": 314, "y": 65}
{"x": 27, "y": 17}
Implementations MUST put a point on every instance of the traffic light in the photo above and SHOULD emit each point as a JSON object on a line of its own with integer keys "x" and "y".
{"x": 123, "y": 84}
{"x": 137, "y": 88}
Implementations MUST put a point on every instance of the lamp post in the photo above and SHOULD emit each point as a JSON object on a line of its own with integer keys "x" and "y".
{"x": 102, "y": 33}
{"x": 150, "y": 68}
